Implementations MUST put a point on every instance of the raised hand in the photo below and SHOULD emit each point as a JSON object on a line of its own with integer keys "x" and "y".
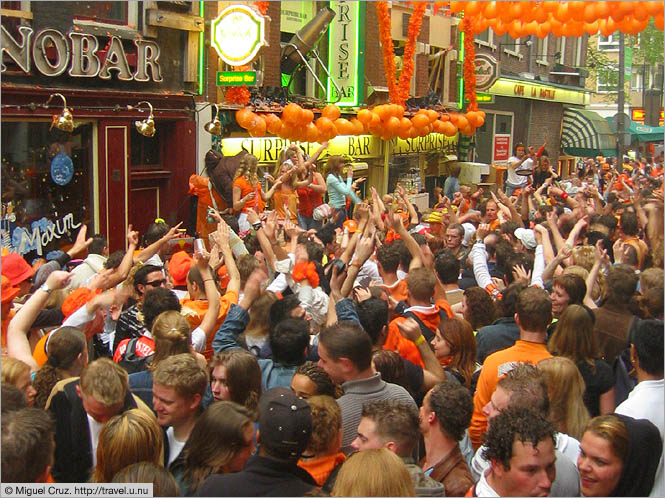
{"x": 132, "y": 236}
{"x": 81, "y": 243}
{"x": 520, "y": 273}
{"x": 59, "y": 279}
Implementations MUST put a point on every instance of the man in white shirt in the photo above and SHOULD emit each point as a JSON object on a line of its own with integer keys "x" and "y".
{"x": 646, "y": 399}
{"x": 98, "y": 252}
{"x": 520, "y": 161}
{"x": 179, "y": 383}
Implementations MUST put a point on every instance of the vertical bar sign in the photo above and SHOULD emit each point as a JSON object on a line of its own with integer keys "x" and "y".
{"x": 345, "y": 44}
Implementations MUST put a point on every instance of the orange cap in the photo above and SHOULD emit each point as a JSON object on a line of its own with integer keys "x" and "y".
{"x": 76, "y": 299}
{"x": 352, "y": 225}
{"x": 224, "y": 278}
{"x": 179, "y": 266}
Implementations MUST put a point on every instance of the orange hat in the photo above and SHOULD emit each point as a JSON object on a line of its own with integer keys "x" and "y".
{"x": 224, "y": 278}
{"x": 179, "y": 267}
{"x": 15, "y": 268}
{"x": 352, "y": 225}
{"x": 76, "y": 299}
{"x": 9, "y": 292}
{"x": 39, "y": 353}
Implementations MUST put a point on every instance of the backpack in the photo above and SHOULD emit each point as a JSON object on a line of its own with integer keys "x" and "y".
{"x": 137, "y": 354}
{"x": 424, "y": 329}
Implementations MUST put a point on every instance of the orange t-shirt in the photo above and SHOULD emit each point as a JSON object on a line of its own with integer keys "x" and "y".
{"x": 397, "y": 290}
{"x": 257, "y": 204}
{"x": 5, "y": 326}
{"x": 195, "y": 309}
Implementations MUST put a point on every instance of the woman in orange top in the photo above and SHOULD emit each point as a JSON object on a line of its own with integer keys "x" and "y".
{"x": 247, "y": 191}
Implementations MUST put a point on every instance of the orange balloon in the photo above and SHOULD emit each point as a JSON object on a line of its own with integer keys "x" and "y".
{"x": 590, "y": 12}
{"x": 462, "y": 122}
{"x": 364, "y": 116}
{"x": 311, "y": 133}
{"x": 383, "y": 111}
{"x": 515, "y": 10}
{"x": 273, "y": 123}
{"x": 515, "y": 30}
{"x": 500, "y": 28}
{"x": 375, "y": 121}
{"x": 259, "y": 128}
{"x": 420, "y": 120}
{"x": 556, "y": 28}
{"x": 392, "y": 125}
{"x": 457, "y": 7}
{"x": 331, "y": 111}
{"x": 591, "y": 28}
{"x": 576, "y": 10}
{"x": 540, "y": 15}
{"x": 562, "y": 13}
{"x": 654, "y": 8}
{"x": 658, "y": 21}
{"x": 445, "y": 117}
{"x": 413, "y": 132}
{"x": 603, "y": 9}
{"x": 397, "y": 110}
{"x": 358, "y": 128}
{"x": 471, "y": 117}
{"x": 244, "y": 117}
{"x": 472, "y": 8}
{"x": 542, "y": 30}
{"x": 531, "y": 28}
{"x": 449, "y": 129}
{"x": 432, "y": 115}
{"x": 404, "y": 134}
{"x": 491, "y": 10}
{"x": 479, "y": 122}
{"x": 454, "y": 118}
{"x": 292, "y": 113}
{"x": 468, "y": 130}
{"x": 438, "y": 126}
{"x": 306, "y": 117}
{"x": 344, "y": 126}
{"x": 324, "y": 124}
{"x": 405, "y": 124}
{"x": 641, "y": 11}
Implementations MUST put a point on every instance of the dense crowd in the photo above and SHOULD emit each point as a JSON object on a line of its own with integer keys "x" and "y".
{"x": 500, "y": 343}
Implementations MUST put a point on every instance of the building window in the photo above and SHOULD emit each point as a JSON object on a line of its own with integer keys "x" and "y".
{"x": 637, "y": 77}
{"x": 560, "y": 48}
{"x": 147, "y": 151}
{"x": 486, "y": 38}
{"x": 46, "y": 186}
{"x": 541, "y": 50}
{"x": 609, "y": 43}
{"x": 102, "y": 12}
{"x": 578, "y": 51}
{"x": 510, "y": 46}
{"x": 607, "y": 79}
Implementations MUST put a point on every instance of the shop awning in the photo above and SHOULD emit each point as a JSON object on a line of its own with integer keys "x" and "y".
{"x": 586, "y": 133}
{"x": 640, "y": 132}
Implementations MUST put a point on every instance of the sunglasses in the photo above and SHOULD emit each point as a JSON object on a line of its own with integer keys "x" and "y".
{"x": 156, "y": 283}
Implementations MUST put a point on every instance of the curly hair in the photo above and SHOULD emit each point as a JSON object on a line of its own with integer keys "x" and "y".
{"x": 326, "y": 423}
{"x": 391, "y": 367}
{"x": 527, "y": 387}
{"x": 515, "y": 424}
{"x": 480, "y": 307}
{"x": 452, "y": 404}
{"x": 248, "y": 168}
{"x": 324, "y": 384}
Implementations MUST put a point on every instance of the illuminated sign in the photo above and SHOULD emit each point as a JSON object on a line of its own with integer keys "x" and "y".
{"x": 638, "y": 116}
{"x": 237, "y": 34}
{"x": 294, "y": 15}
{"x": 487, "y": 71}
{"x": 345, "y": 44}
{"x": 535, "y": 91}
{"x": 267, "y": 149}
{"x": 234, "y": 78}
{"x": 53, "y": 53}
{"x": 434, "y": 142}
{"x": 485, "y": 98}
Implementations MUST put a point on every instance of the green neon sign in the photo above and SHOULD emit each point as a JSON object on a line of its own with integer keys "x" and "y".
{"x": 346, "y": 43}
{"x": 236, "y": 78}
{"x": 201, "y": 14}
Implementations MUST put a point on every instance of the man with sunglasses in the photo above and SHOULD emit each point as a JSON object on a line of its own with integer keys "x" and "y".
{"x": 129, "y": 324}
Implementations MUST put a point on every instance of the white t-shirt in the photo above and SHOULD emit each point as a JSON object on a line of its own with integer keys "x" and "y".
{"x": 175, "y": 446}
{"x": 95, "y": 429}
{"x": 513, "y": 177}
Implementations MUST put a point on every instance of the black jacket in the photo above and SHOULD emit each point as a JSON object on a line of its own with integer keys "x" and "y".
{"x": 262, "y": 476}
{"x": 73, "y": 448}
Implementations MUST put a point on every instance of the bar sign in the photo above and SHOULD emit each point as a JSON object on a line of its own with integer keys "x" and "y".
{"x": 236, "y": 78}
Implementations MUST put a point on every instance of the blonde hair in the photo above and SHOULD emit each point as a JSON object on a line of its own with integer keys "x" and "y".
{"x": 259, "y": 315}
{"x": 172, "y": 336}
{"x": 326, "y": 424}
{"x": 183, "y": 373}
{"x": 130, "y": 437}
{"x": 378, "y": 472}
{"x": 106, "y": 381}
{"x": 585, "y": 256}
{"x": 248, "y": 168}
{"x": 12, "y": 369}
{"x": 566, "y": 389}
{"x": 598, "y": 290}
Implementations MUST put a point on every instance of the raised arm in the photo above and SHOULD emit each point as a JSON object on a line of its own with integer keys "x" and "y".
{"x": 153, "y": 248}
{"x": 18, "y": 345}
{"x": 224, "y": 232}
{"x": 409, "y": 241}
{"x": 432, "y": 373}
{"x": 212, "y": 295}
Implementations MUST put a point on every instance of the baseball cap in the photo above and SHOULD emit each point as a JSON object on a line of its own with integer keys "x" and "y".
{"x": 525, "y": 235}
{"x": 352, "y": 225}
{"x": 15, "y": 268}
{"x": 179, "y": 266}
{"x": 76, "y": 299}
{"x": 224, "y": 278}
{"x": 285, "y": 423}
{"x": 9, "y": 292}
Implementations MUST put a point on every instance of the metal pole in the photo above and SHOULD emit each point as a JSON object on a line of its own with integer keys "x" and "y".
{"x": 620, "y": 104}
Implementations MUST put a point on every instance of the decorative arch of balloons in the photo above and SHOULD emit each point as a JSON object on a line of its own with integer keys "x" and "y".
{"x": 517, "y": 18}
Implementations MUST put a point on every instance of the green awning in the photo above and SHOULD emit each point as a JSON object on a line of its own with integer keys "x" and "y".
{"x": 645, "y": 133}
{"x": 586, "y": 133}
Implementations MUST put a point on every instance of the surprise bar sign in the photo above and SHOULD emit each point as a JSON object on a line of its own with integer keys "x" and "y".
{"x": 53, "y": 53}
{"x": 236, "y": 78}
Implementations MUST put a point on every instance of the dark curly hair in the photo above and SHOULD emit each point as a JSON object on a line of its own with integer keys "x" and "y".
{"x": 324, "y": 384}
{"x": 453, "y": 406}
{"x": 480, "y": 305}
{"x": 515, "y": 424}
{"x": 391, "y": 367}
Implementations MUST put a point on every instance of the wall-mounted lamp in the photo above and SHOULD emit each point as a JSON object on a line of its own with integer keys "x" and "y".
{"x": 145, "y": 127}
{"x": 64, "y": 121}
{"x": 214, "y": 127}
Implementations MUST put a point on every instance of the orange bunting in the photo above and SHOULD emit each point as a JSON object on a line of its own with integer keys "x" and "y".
{"x": 408, "y": 65}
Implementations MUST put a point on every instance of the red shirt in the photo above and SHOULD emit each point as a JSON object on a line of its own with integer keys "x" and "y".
{"x": 308, "y": 200}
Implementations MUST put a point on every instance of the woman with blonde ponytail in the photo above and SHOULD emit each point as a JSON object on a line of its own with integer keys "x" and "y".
{"x": 172, "y": 335}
